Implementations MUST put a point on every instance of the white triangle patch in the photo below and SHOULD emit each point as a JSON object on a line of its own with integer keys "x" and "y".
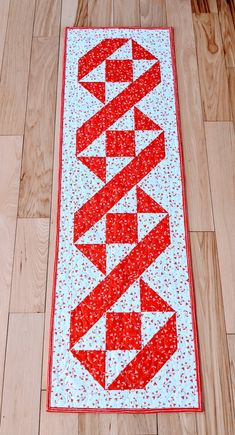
{"x": 140, "y": 66}
{"x": 126, "y": 122}
{"x": 116, "y": 361}
{"x": 147, "y": 221}
{"x": 115, "y": 252}
{"x": 96, "y": 234}
{"x": 129, "y": 301}
{"x": 124, "y": 52}
{"x": 144, "y": 138}
{"x": 112, "y": 89}
{"x": 115, "y": 165}
{"x": 96, "y": 148}
{"x": 96, "y": 75}
{"x": 128, "y": 203}
{"x": 95, "y": 338}
{"x": 152, "y": 323}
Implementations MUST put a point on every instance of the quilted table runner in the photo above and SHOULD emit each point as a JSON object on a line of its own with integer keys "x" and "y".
{"x": 123, "y": 330}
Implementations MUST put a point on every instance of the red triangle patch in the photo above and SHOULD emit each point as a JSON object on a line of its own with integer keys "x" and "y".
{"x": 96, "y": 254}
{"x": 150, "y": 300}
{"x": 95, "y": 88}
{"x": 143, "y": 122}
{"x": 146, "y": 204}
{"x": 96, "y": 165}
{"x": 139, "y": 52}
{"x": 94, "y": 362}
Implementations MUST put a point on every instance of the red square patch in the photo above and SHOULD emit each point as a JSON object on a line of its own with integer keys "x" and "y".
{"x": 123, "y": 331}
{"x": 121, "y": 228}
{"x": 120, "y": 143}
{"x": 119, "y": 71}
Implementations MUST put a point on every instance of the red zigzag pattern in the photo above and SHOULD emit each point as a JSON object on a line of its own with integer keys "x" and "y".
{"x": 151, "y": 357}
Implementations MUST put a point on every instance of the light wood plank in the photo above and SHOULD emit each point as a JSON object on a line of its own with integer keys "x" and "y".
{"x": 100, "y": 13}
{"x": 4, "y": 9}
{"x": 177, "y": 424}
{"x": 81, "y": 18}
{"x": 36, "y": 172}
{"x": 231, "y": 85}
{"x": 126, "y": 13}
{"x": 139, "y": 424}
{"x": 196, "y": 171}
{"x": 15, "y": 67}
{"x": 227, "y": 22}
{"x": 47, "y": 18}
{"x": 231, "y": 347}
{"x": 97, "y": 424}
{"x": 30, "y": 266}
{"x": 21, "y": 393}
{"x": 221, "y": 156}
{"x": 218, "y": 417}
{"x": 57, "y": 423}
{"x": 11, "y": 150}
{"x": 212, "y": 71}
{"x": 204, "y": 6}
{"x": 74, "y": 13}
{"x": 152, "y": 13}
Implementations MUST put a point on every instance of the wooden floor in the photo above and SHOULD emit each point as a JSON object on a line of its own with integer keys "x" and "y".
{"x": 31, "y": 42}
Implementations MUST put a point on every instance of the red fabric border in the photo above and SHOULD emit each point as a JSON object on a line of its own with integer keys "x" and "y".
{"x": 192, "y": 296}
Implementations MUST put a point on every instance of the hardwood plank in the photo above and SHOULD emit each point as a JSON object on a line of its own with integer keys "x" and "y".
{"x": 177, "y": 424}
{"x": 137, "y": 424}
{"x": 204, "y": 6}
{"x": 36, "y": 172}
{"x": 221, "y": 157}
{"x": 97, "y": 424}
{"x": 15, "y": 67}
{"x": 47, "y": 18}
{"x": 21, "y": 393}
{"x": 227, "y": 22}
{"x": 126, "y": 13}
{"x": 11, "y": 150}
{"x": 4, "y": 9}
{"x": 57, "y": 423}
{"x": 100, "y": 13}
{"x": 152, "y": 13}
{"x": 231, "y": 86}
{"x": 74, "y": 13}
{"x": 231, "y": 347}
{"x": 218, "y": 418}
{"x": 212, "y": 71}
{"x": 30, "y": 266}
{"x": 81, "y": 13}
{"x": 196, "y": 171}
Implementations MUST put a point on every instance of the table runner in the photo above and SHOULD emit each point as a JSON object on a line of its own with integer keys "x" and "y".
{"x": 123, "y": 330}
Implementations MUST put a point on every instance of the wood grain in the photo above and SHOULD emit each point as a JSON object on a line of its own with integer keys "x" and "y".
{"x": 218, "y": 417}
{"x": 57, "y": 423}
{"x": 96, "y": 424}
{"x": 231, "y": 347}
{"x": 221, "y": 157}
{"x": 231, "y": 86}
{"x": 227, "y": 22}
{"x": 15, "y": 67}
{"x": 11, "y": 149}
{"x": 152, "y": 13}
{"x": 21, "y": 393}
{"x": 30, "y": 266}
{"x": 47, "y": 18}
{"x": 36, "y": 172}
{"x": 100, "y": 13}
{"x": 212, "y": 71}
{"x": 126, "y": 13}
{"x": 177, "y": 424}
{"x": 204, "y": 6}
{"x": 81, "y": 18}
{"x": 139, "y": 424}
{"x": 4, "y": 9}
{"x": 196, "y": 170}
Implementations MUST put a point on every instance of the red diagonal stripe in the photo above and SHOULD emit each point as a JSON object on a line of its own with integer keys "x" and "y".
{"x": 96, "y": 207}
{"x": 116, "y": 108}
{"x": 107, "y": 292}
{"x": 98, "y": 54}
{"x": 139, "y": 372}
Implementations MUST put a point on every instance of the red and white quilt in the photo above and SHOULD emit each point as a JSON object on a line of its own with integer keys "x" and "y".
{"x": 123, "y": 334}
